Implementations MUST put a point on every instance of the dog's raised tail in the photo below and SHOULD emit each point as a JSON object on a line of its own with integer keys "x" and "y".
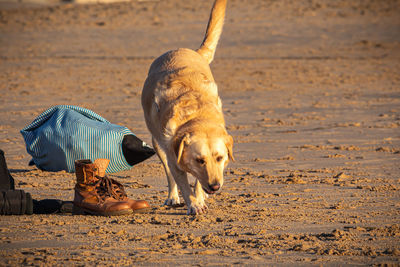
{"x": 214, "y": 30}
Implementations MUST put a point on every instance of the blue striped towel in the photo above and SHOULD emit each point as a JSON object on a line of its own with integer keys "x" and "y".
{"x": 64, "y": 133}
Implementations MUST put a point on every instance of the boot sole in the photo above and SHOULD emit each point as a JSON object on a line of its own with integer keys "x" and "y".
{"x": 76, "y": 210}
{"x": 144, "y": 210}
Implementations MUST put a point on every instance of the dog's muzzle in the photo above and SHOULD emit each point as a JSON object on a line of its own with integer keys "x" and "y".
{"x": 212, "y": 189}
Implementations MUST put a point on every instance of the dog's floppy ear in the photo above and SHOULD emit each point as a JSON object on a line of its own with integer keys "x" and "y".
{"x": 179, "y": 145}
{"x": 229, "y": 146}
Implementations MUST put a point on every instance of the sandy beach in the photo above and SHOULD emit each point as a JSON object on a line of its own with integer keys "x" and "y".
{"x": 311, "y": 96}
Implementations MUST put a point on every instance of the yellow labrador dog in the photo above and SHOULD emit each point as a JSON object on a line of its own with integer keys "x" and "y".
{"x": 183, "y": 112}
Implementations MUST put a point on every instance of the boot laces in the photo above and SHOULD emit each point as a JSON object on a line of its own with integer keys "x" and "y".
{"x": 108, "y": 187}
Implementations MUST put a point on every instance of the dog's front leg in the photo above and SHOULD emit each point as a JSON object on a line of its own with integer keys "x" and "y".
{"x": 173, "y": 197}
{"x": 200, "y": 194}
{"x": 194, "y": 206}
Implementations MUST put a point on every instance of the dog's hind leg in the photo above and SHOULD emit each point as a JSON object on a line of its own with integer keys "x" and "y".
{"x": 173, "y": 197}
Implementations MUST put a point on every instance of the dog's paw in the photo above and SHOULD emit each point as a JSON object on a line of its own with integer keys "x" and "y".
{"x": 172, "y": 202}
{"x": 195, "y": 209}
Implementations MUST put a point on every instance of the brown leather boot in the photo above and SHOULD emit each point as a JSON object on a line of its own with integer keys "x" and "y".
{"x": 118, "y": 190}
{"x": 92, "y": 195}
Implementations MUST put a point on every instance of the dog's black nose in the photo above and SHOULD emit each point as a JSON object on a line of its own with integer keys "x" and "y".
{"x": 215, "y": 187}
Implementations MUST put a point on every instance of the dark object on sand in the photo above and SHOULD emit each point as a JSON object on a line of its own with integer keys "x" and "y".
{"x": 15, "y": 202}
{"x": 6, "y": 180}
{"x": 18, "y": 202}
{"x": 12, "y": 202}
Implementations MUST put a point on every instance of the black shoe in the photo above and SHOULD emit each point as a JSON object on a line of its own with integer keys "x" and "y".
{"x": 15, "y": 202}
{"x": 135, "y": 150}
{"x": 50, "y": 206}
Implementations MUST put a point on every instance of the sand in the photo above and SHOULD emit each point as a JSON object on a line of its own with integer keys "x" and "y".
{"x": 311, "y": 95}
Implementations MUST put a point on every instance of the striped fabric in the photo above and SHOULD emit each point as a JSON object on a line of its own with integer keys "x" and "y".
{"x": 63, "y": 134}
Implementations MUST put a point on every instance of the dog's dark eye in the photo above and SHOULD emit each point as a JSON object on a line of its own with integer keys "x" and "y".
{"x": 201, "y": 161}
{"x": 219, "y": 158}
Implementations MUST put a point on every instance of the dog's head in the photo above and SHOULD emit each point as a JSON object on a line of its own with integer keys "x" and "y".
{"x": 205, "y": 155}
